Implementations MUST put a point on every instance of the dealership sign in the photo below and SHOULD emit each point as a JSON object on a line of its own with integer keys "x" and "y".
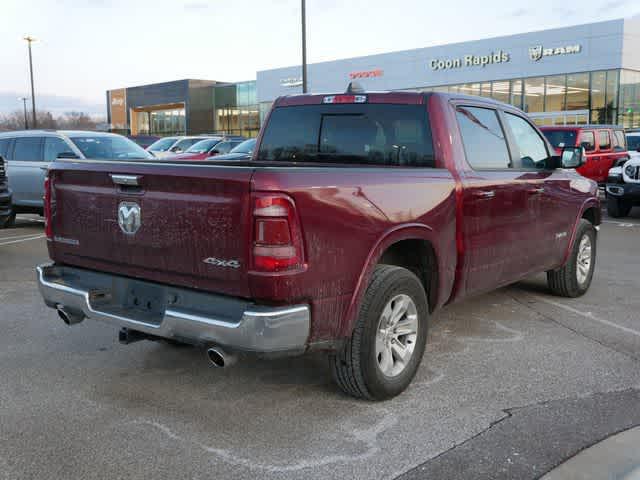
{"x": 470, "y": 61}
{"x": 366, "y": 74}
{"x": 291, "y": 82}
{"x": 537, "y": 52}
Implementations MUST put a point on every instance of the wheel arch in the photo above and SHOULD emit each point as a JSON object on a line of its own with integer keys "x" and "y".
{"x": 395, "y": 248}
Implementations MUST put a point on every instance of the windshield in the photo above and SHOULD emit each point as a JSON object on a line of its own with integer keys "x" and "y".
{"x": 561, "y": 138}
{"x": 163, "y": 144}
{"x": 185, "y": 143}
{"x": 633, "y": 142}
{"x": 102, "y": 147}
{"x": 203, "y": 146}
{"x": 379, "y": 134}
{"x": 244, "y": 147}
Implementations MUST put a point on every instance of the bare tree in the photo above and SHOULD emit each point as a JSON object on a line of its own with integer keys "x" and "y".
{"x": 70, "y": 121}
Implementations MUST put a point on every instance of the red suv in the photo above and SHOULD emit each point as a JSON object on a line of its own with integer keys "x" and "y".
{"x": 604, "y": 145}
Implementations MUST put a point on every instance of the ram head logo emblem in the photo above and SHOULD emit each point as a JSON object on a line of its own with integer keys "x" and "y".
{"x": 535, "y": 53}
{"x": 129, "y": 217}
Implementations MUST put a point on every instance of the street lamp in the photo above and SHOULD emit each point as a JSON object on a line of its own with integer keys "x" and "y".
{"x": 304, "y": 47}
{"x": 24, "y": 103}
{"x": 30, "y": 40}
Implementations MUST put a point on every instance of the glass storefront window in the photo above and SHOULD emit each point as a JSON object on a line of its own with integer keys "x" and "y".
{"x": 516, "y": 93}
{"x": 629, "y": 103}
{"x": 485, "y": 89}
{"x": 470, "y": 89}
{"x": 500, "y": 91}
{"x": 578, "y": 91}
{"x": 167, "y": 122}
{"x": 604, "y": 93}
{"x": 534, "y": 95}
{"x": 555, "y": 90}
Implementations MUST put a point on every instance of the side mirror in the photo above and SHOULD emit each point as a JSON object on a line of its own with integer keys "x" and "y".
{"x": 572, "y": 157}
{"x": 69, "y": 155}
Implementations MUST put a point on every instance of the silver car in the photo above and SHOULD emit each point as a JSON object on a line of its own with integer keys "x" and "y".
{"x": 28, "y": 154}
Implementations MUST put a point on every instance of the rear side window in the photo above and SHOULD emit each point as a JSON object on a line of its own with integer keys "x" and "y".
{"x": 27, "y": 149}
{"x": 604, "y": 140}
{"x": 618, "y": 140}
{"x": 377, "y": 134}
{"x": 588, "y": 141}
{"x": 483, "y": 138}
{"x": 4, "y": 147}
{"x": 54, "y": 146}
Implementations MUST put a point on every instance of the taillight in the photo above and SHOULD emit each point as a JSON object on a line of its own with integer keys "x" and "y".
{"x": 48, "y": 229}
{"x": 277, "y": 237}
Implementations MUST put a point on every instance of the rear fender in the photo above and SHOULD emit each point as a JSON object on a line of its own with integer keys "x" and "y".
{"x": 413, "y": 231}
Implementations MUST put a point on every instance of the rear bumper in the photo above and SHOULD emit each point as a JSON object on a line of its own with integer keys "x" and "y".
{"x": 175, "y": 313}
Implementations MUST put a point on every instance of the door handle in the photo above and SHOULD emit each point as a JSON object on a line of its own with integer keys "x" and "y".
{"x": 485, "y": 194}
{"x": 535, "y": 191}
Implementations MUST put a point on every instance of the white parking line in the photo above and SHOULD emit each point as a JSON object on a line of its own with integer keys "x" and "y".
{"x": 22, "y": 240}
{"x": 24, "y": 235}
{"x": 588, "y": 315}
{"x": 622, "y": 224}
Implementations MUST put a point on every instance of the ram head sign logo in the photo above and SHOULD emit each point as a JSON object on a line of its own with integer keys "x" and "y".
{"x": 129, "y": 217}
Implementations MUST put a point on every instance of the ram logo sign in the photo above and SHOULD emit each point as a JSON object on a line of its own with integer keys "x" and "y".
{"x": 537, "y": 52}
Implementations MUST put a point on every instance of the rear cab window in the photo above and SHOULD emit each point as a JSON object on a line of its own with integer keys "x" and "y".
{"x": 364, "y": 133}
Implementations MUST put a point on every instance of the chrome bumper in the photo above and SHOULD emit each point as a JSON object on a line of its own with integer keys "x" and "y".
{"x": 172, "y": 312}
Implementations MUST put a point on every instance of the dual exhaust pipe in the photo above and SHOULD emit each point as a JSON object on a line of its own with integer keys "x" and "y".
{"x": 217, "y": 356}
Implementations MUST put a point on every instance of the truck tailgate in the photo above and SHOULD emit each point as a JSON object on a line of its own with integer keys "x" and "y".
{"x": 193, "y": 222}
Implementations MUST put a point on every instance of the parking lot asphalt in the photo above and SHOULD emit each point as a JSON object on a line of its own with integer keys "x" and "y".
{"x": 512, "y": 383}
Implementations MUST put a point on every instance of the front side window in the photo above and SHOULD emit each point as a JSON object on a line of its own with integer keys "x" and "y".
{"x": 378, "y": 134}
{"x": 532, "y": 150}
{"x": 561, "y": 138}
{"x": 483, "y": 138}
{"x": 588, "y": 141}
{"x": 27, "y": 149}
{"x": 107, "y": 147}
{"x": 4, "y": 148}
{"x": 54, "y": 146}
{"x": 604, "y": 140}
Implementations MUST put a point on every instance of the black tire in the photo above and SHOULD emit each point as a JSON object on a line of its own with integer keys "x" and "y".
{"x": 564, "y": 281}
{"x": 8, "y": 221}
{"x": 355, "y": 368}
{"x": 617, "y": 208}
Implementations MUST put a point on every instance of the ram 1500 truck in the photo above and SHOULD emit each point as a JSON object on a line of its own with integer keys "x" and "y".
{"x": 358, "y": 216}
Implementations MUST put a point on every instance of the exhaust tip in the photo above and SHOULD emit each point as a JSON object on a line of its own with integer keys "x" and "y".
{"x": 67, "y": 317}
{"x": 216, "y": 357}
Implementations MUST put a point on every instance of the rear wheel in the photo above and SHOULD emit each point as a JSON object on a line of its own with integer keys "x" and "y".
{"x": 617, "y": 208}
{"x": 386, "y": 347}
{"x": 574, "y": 278}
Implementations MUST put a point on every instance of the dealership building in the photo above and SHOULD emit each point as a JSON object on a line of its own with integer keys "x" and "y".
{"x": 574, "y": 75}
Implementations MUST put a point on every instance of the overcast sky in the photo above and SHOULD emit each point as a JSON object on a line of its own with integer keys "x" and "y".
{"x": 87, "y": 47}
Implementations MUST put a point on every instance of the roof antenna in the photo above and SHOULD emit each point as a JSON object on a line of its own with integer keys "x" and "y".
{"x": 354, "y": 87}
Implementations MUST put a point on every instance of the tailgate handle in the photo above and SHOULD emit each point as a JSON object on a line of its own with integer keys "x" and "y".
{"x": 125, "y": 179}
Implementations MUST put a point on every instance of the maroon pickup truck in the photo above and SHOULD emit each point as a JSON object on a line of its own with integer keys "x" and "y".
{"x": 358, "y": 216}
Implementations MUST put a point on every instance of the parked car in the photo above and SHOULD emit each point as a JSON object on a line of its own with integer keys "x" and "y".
{"x": 358, "y": 217}
{"x": 623, "y": 182}
{"x": 242, "y": 151}
{"x": 171, "y": 146}
{"x": 29, "y": 153}
{"x": 143, "y": 140}
{"x": 7, "y": 216}
{"x": 605, "y": 146}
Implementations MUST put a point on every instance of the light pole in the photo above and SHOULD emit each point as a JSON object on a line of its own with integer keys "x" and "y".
{"x": 30, "y": 40}
{"x": 24, "y": 103}
{"x": 304, "y": 48}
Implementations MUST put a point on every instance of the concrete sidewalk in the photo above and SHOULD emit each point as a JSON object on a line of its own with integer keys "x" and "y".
{"x": 616, "y": 458}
